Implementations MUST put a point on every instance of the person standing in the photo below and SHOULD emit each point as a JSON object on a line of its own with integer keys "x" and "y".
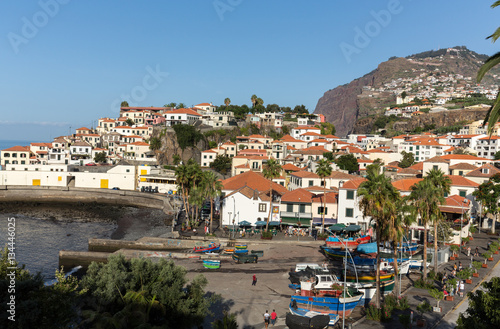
{"x": 477, "y": 252}
{"x": 267, "y": 316}
{"x": 274, "y": 316}
{"x": 468, "y": 251}
{"x": 254, "y": 280}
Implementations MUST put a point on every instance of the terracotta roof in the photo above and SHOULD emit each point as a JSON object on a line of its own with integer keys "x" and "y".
{"x": 41, "y": 144}
{"x": 490, "y": 137}
{"x": 304, "y": 174}
{"x": 461, "y": 181}
{"x": 319, "y": 189}
{"x": 209, "y": 151}
{"x": 331, "y": 136}
{"x": 318, "y": 140}
{"x": 437, "y": 159}
{"x": 341, "y": 175}
{"x": 457, "y": 200}
{"x": 186, "y": 111}
{"x": 83, "y": 128}
{"x": 228, "y": 143}
{"x": 330, "y": 197}
{"x": 258, "y": 136}
{"x": 295, "y": 195}
{"x": 353, "y": 184}
{"x": 253, "y": 180}
{"x": 18, "y": 149}
{"x": 463, "y": 136}
{"x": 313, "y": 150}
{"x": 418, "y": 166}
{"x": 139, "y": 144}
{"x": 81, "y": 144}
{"x": 406, "y": 184}
{"x": 288, "y": 138}
{"x": 463, "y": 166}
{"x": 290, "y": 167}
{"x": 478, "y": 172}
{"x": 204, "y": 104}
{"x": 246, "y": 166}
{"x": 462, "y": 157}
{"x": 409, "y": 171}
{"x": 310, "y": 133}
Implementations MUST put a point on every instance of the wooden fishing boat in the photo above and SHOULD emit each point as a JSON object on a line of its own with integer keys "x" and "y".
{"x": 336, "y": 242}
{"x": 241, "y": 251}
{"x": 210, "y": 248}
{"x": 369, "y": 277}
{"x": 229, "y": 250}
{"x": 333, "y": 252}
{"x": 245, "y": 258}
{"x": 259, "y": 253}
{"x": 299, "y": 318}
{"x": 211, "y": 264}
{"x": 241, "y": 246}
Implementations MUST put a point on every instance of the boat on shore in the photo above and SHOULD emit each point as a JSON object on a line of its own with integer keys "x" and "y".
{"x": 338, "y": 243}
{"x": 361, "y": 264}
{"x": 211, "y": 264}
{"x": 300, "y": 318}
{"x": 241, "y": 246}
{"x": 369, "y": 277}
{"x": 212, "y": 247}
{"x": 245, "y": 258}
{"x": 333, "y": 253}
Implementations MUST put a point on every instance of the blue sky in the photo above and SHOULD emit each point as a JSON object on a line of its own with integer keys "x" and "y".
{"x": 66, "y": 63}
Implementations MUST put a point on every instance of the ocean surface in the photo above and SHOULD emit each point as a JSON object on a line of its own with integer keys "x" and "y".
{"x": 38, "y": 241}
{"x": 5, "y": 144}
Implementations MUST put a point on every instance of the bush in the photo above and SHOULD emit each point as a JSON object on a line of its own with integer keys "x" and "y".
{"x": 424, "y": 284}
{"x": 390, "y": 302}
{"x": 477, "y": 265}
{"x": 423, "y": 308}
{"x": 431, "y": 275}
{"x": 267, "y": 234}
{"x": 378, "y": 314}
{"x": 323, "y": 235}
{"x": 472, "y": 229}
{"x": 405, "y": 320}
{"x": 403, "y": 303}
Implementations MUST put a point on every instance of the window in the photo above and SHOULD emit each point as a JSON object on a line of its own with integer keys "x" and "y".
{"x": 302, "y": 208}
{"x": 349, "y": 212}
{"x": 320, "y": 210}
{"x": 350, "y": 195}
{"x": 460, "y": 173}
{"x": 462, "y": 193}
{"x": 311, "y": 183}
{"x": 289, "y": 208}
{"x": 262, "y": 207}
{"x": 435, "y": 167}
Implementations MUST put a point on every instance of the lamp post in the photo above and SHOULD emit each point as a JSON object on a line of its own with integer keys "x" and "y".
{"x": 229, "y": 220}
{"x": 461, "y": 223}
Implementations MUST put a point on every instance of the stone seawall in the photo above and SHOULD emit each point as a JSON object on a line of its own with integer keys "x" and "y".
{"x": 75, "y": 195}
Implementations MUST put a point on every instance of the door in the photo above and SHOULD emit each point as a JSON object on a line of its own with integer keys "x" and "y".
{"x": 104, "y": 183}
{"x": 36, "y": 182}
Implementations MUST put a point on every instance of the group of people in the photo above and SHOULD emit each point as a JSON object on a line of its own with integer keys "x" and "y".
{"x": 270, "y": 318}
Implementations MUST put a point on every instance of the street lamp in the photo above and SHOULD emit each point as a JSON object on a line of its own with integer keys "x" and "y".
{"x": 461, "y": 223}
{"x": 229, "y": 220}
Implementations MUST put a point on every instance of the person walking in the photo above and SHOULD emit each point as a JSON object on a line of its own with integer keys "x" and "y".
{"x": 267, "y": 316}
{"x": 254, "y": 280}
{"x": 476, "y": 253}
{"x": 468, "y": 251}
{"x": 274, "y": 316}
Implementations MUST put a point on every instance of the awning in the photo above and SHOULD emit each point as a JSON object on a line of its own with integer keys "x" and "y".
{"x": 295, "y": 221}
{"x": 328, "y": 221}
{"x": 260, "y": 223}
{"x": 337, "y": 228}
{"x": 353, "y": 228}
{"x": 245, "y": 223}
{"x": 274, "y": 223}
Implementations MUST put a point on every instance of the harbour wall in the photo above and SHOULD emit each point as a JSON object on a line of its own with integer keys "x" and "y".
{"x": 50, "y": 194}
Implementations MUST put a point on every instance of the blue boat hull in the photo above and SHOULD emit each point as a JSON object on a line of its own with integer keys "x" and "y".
{"x": 331, "y": 305}
{"x": 334, "y": 318}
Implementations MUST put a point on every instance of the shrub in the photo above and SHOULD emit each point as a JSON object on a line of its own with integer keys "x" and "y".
{"x": 378, "y": 314}
{"x": 477, "y": 265}
{"x": 431, "y": 275}
{"x": 464, "y": 274}
{"x": 267, "y": 234}
{"x": 323, "y": 235}
{"x": 487, "y": 254}
{"x": 423, "y": 284}
{"x": 390, "y": 302}
{"x": 403, "y": 303}
{"x": 439, "y": 276}
{"x": 423, "y": 308}
{"x": 472, "y": 229}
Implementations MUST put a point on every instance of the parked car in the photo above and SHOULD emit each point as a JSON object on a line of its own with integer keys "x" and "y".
{"x": 90, "y": 164}
{"x": 115, "y": 188}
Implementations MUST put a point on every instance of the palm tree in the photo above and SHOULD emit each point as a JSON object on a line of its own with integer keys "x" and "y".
{"x": 272, "y": 169}
{"x": 176, "y": 159}
{"x": 442, "y": 184}
{"x": 227, "y": 101}
{"x": 195, "y": 174}
{"x": 213, "y": 189}
{"x": 323, "y": 170}
{"x": 182, "y": 177}
{"x": 378, "y": 200}
{"x": 424, "y": 198}
{"x": 155, "y": 143}
{"x": 254, "y": 99}
{"x": 493, "y": 114}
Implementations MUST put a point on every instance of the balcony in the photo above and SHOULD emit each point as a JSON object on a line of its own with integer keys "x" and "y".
{"x": 305, "y": 215}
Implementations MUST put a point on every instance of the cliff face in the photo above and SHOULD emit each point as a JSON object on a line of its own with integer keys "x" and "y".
{"x": 367, "y": 96}
{"x": 170, "y": 147}
{"x": 442, "y": 119}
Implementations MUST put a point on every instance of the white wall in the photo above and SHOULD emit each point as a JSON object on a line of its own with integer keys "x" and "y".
{"x": 248, "y": 209}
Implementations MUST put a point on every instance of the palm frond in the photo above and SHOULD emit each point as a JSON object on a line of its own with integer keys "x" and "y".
{"x": 493, "y": 115}
{"x": 495, "y": 4}
{"x": 488, "y": 65}
{"x": 495, "y": 35}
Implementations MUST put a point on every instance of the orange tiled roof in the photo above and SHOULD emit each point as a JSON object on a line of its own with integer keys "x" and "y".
{"x": 18, "y": 149}
{"x": 330, "y": 197}
{"x": 461, "y": 181}
{"x": 462, "y": 157}
{"x": 418, "y": 166}
{"x": 353, "y": 184}
{"x": 406, "y": 184}
{"x": 304, "y": 174}
{"x": 253, "y": 180}
{"x": 297, "y": 195}
{"x": 478, "y": 171}
{"x": 290, "y": 167}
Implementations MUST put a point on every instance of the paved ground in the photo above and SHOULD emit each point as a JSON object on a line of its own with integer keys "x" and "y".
{"x": 233, "y": 282}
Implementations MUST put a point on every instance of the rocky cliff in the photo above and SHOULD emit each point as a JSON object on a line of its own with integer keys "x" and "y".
{"x": 369, "y": 95}
{"x": 170, "y": 147}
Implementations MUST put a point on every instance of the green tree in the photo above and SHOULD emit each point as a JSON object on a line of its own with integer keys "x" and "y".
{"x": 155, "y": 143}
{"x": 187, "y": 136}
{"x": 172, "y": 105}
{"x": 488, "y": 193}
{"x": 130, "y": 122}
{"x": 348, "y": 162}
{"x": 329, "y": 156}
{"x": 253, "y": 99}
{"x": 493, "y": 114}
{"x": 124, "y": 104}
{"x": 403, "y": 95}
{"x": 497, "y": 155}
{"x": 483, "y": 310}
{"x": 181, "y": 106}
{"x": 156, "y": 293}
{"x": 379, "y": 200}
{"x": 100, "y": 157}
{"x": 227, "y": 101}
{"x": 182, "y": 178}
{"x": 442, "y": 184}
{"x": 176, "y": 158}
{"x": 227, "y": 322}
{"x": 327, "y": 128}
{"x": 222, "y": 164}
{"x": 408, "y": 160}
{"x": 213, "y": 188}
{"x": 300, "y": 109}
{"x": 323, "y": 170}
{"x": 272, "y": 169}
